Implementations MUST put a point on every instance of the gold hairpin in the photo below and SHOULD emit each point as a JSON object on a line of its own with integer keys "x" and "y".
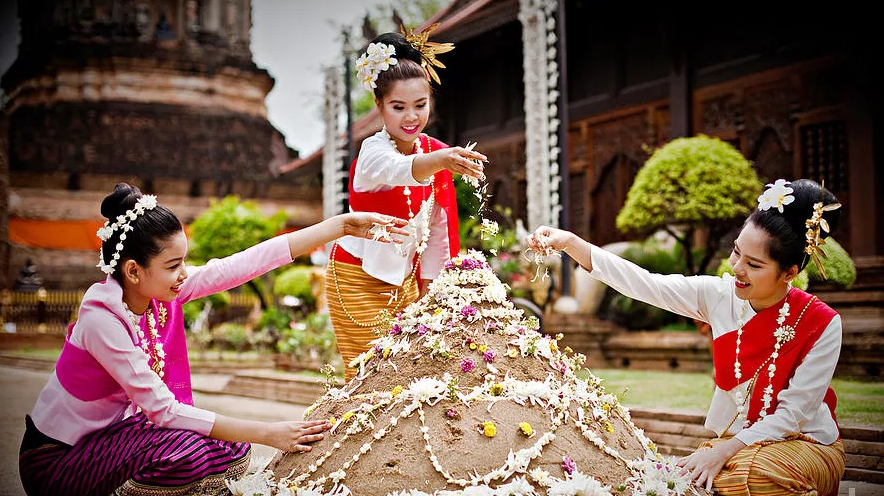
{"x": 815, "y": 224}
{"x": 427, "y": 49}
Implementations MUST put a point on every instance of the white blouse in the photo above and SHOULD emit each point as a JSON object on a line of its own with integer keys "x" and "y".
{"x": 380, "y": 167}
{"x": 713, "y": 300}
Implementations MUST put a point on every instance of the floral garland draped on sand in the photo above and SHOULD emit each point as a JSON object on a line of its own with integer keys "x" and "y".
{"x": 462, "y": 396}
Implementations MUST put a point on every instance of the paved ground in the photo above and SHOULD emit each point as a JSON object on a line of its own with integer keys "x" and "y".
{"x": 20, "y": 389}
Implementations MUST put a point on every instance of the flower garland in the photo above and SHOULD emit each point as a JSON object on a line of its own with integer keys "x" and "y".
{"x": 782, "y": 334}
{"x": 152, "y": 347}
{"x": 123, "y": 223}
{"x": 541, "y": 75}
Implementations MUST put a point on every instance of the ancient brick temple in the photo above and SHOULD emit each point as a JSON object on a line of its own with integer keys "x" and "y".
{"x": 159, "y": 93}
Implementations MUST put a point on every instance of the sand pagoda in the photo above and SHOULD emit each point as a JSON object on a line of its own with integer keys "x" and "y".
{"x": 463, "y": 395}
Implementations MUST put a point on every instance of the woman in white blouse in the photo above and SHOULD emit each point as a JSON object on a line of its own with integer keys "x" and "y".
{"x": 775, "y": 346}
{"x": 401, "y": 170}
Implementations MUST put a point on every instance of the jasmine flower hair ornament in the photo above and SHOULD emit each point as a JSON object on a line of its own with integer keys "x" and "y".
{"x": 777, "y": 195}
{"x": 123, "y": 223}
{"x": 379, "y": 57}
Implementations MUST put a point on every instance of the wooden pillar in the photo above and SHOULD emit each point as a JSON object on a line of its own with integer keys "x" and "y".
{"x": 865, "y": 162}
{"x": 5, "y": 245}
{"x": 680, "y": 83}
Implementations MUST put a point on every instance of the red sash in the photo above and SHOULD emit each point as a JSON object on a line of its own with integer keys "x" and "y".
{"x": 757, "y": 344}
{"x": 392, "y": 201}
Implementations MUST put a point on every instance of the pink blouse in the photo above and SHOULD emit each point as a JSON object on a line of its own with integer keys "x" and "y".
{"x": 104, "y": 331}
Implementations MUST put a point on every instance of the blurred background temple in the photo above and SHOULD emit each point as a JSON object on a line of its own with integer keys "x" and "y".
{"x": 163, "y": 94}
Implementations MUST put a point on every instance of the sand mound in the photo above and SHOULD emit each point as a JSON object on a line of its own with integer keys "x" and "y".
{"x": 463, "y": 395}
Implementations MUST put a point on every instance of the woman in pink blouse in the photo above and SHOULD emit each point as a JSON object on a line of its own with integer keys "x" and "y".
{"x": 117, "y": 415}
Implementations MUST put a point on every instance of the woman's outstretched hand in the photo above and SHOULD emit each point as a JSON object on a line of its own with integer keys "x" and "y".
{"x": 374, "y": 226}
{"x": 546, "y": 239}
{"x": 463, "y": 161}
{"x": 296, "y": 436}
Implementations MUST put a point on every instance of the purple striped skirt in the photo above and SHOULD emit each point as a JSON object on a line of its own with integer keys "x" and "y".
{"x": 131, "y": 457}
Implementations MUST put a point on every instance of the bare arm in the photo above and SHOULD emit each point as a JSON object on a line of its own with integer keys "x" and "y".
{"x": 353, "y": 224}
{"x": 456, "y": 159}
{"x": 285, "y": 436}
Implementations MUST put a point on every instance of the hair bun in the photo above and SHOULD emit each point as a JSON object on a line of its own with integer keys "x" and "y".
{"x": 123, "y": 198}
{"x": 404, "y": 50}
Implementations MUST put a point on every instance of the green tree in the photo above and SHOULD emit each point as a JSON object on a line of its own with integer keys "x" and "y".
{"x": 691, "y": 184}
{"x": 230, "y": 226}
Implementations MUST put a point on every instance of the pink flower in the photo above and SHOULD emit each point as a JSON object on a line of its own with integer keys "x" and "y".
{"x": 468, "y": 311}
{"x": 395, "y": 330}
{"x": 467, "y": 365}
{"x": 568, "y": 465}
{"x": 489, "y": 356}
{"x": 422, "y": 329}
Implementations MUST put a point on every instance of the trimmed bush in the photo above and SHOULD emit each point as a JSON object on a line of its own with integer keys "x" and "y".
{"x": 692, "y": 183}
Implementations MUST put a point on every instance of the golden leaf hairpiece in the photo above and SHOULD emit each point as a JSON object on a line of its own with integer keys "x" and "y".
{"x": 814, "y": 225}
{"x": 427, "y": 49}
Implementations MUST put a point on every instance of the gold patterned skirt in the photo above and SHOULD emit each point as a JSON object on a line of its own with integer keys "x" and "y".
{"x": 797, "y": 466}
{"x": 355, "y": 303}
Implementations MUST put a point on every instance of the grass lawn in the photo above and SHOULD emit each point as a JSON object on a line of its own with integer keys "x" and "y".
{"x": 859, "y": 402}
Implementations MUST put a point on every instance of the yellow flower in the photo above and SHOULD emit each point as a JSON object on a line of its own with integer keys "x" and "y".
{"x": 609, "y": 427}
{"x": 652, "y": 446}
{"x": 606, "y": 407}
{"x": 397, "y": 391}
{"x": 473, "y": 346}
{"x": 483, "y": 348}
{"x": 513, "y": 353}
{"x": 347, "y": 416}
{"x": 489, "y": 429}
{"x": 553, "y": 346}
{"x": 497, "y": 389}
{"x": 332, "y": 420}
{"x": 568, "y": 349}
{"x": 526, "y": 429}
{"x": 437, "y": 311}
{"x": 387, "y": 352}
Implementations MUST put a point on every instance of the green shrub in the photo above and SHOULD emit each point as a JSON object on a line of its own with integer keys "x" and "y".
{"x": 296, "y": 282}
{"x": 230, "y": 335}
{"x": 310, "y": 339}
{"x": 837, "y": 263}
{"x": 693, "y": 183}
{"x": 637, "y": 315}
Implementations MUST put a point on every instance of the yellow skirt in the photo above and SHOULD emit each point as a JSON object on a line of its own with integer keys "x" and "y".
{"x": 797, "y": 466}
{"x": 363, "y": 297}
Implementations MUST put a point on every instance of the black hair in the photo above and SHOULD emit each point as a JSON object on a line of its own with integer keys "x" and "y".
{"x": 787, "y": 230}
{"x": 408, "y": 66}
{"x": 149, "y": 230}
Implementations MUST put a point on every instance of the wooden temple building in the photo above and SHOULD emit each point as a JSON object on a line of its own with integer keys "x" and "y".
{"x": 794, "y": 90}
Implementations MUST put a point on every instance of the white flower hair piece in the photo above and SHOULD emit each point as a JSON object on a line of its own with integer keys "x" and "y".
{"x": 377, "y": 58}
{"x": 776, "y": 196}
{"x": 145, "y": 203}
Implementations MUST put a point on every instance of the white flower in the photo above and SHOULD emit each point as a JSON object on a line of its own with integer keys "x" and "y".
{"x": 104, "y": 233}
{"x": 377, "y": 58}
{"x": 579, "y": 485}
{"x": 776, "y": 196}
